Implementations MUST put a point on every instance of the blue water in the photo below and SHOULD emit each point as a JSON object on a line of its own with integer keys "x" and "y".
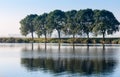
{"x": 38, "y": 60}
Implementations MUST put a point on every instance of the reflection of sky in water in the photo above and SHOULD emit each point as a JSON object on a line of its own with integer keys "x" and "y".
{"x": 15, "y": 60}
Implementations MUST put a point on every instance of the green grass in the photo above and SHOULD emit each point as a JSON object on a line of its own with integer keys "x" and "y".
{"x": 63, "y": 40}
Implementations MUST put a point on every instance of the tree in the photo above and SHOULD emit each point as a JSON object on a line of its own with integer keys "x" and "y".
{"x": 105, "y": 23}
{"x": 41, "y": 25}
{"x": 38, "y": 32}
{"x": 56, "y": 20}
{"x": 86, "y": 20}
{"x": 23, "y": 30}
{"x": 72, "y": 27}
{"x": 27, "y": 25}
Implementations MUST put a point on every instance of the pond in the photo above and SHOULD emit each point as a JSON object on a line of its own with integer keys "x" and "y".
{"x": 50, "y": 60}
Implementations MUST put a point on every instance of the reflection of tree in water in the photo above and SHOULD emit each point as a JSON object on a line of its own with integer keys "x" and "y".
{"x": 80, "y": 65}
{"x": 72, "y": 65}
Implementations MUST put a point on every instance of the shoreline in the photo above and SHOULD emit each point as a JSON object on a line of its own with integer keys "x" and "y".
{"x": 63, "y": 40}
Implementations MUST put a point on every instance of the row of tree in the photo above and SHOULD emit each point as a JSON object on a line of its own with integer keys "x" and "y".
{"x": 72, "y": 22}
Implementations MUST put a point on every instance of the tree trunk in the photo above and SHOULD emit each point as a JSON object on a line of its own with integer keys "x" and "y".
{"x": 32, "y": 30}
{"x": 73, "y": 38}
{"x": 88, "y": 40}
{"x": 32, "y": 36}
{"x": 59, "y": 36}
{"x": 50, "y": 35}
{"x": 38, "y": 36}
{"x": 103, "y": 37}
{"x": 45, "y": 34}
{"x": 45, "y": 37}
{"x": 88, "y": 36}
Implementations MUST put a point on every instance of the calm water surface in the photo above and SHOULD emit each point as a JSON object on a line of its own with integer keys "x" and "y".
{"x": 38, "y": 60}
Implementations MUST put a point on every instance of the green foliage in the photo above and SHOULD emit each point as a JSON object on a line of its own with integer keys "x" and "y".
{"x": 27, "y": 25}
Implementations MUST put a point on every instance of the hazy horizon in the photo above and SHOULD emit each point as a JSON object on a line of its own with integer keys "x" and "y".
{"x": 11, "y": 12}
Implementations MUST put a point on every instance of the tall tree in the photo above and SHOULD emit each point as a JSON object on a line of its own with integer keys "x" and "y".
{"x": 72, "y": 27}
{"x": 41, "y": 25}
{"x": 85, "y": 19}
{"x": 105, "y": 23}
{"x": 27, "y": 25}
{"x": 57, "y": 21}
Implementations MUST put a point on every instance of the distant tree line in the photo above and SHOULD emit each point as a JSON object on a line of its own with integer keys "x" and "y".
{"x": 72, "y": 22}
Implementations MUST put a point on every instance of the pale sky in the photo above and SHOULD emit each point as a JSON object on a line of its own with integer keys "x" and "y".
{"x": 12, "y": 11}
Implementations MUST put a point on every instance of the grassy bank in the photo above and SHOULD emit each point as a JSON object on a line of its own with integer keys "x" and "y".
{"x": 63, "y": 40}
